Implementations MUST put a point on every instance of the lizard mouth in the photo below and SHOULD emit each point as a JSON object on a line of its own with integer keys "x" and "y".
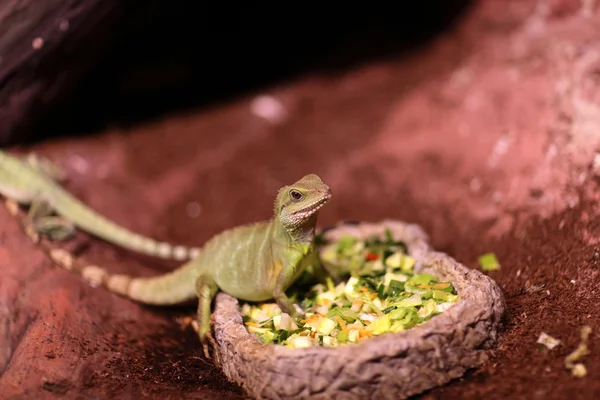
{"x": 314, "y": 207}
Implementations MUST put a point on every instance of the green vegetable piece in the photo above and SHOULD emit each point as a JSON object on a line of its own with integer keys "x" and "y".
{"x": 284, "y": 335}
{"x": 387, "y": 310}
{"x": 321, "y": 341}
{"x": 408, "y": 263}
{"x": 489, "y": 262}
{"x": 402, "y": 245}
{"x": 386, "y": 254}
{"x": 395, "y": 288}
{"x": 397, "y": 327}
{"x": 267, "y": 337}
{"x": 444, "y": 287}
{"x": 373, "y": 241}
{"x": 349, "y": 315}
{"x": 427, "y": 309}
{"x": 411, "y": 318}
{"x": 380, "y": 325}
{"x": 427, "y": 295}
{"x": 307, "y": 303}
{"x": 342, "y": 337}
{"x": 381, "y": 291}
{"x": 395, "y": 260}
{"x": 411, "y": 288}
{"x": 375, "y": 268}
{"x": 388, "y": 236}
{"x": 445, "y": 296}
{"x": 389, "y": 240}
{"x": 412, "y": 301}
{"x": 421, "y": 279}
{"x": 368, "y": 282}
{"x": 398, "y": 313}
{"x": 346, "y": 242}
{"x": 345, "y": 313}
{"x": 330, "y": 284}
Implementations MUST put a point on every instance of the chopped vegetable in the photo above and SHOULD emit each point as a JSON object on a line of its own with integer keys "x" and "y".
{"x": 578, "y": 370}
{"x": 382, "y": 294}
{"x": 326, "y": 325}
{"x": 548, "y": 341}
{"x": 489, "y": 262}
{"x": 299, "y": 342}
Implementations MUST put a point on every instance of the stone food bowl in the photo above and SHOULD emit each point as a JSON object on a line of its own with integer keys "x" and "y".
{"x": 390, "y": 366}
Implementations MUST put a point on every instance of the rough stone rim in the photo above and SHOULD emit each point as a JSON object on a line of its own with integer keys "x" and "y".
{"x": 389, "y": 366}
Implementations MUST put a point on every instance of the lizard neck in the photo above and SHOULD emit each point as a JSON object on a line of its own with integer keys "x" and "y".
{"x": 303, "y": 234}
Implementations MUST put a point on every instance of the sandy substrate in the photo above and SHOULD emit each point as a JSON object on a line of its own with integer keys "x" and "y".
{"x": 486, "y": 138}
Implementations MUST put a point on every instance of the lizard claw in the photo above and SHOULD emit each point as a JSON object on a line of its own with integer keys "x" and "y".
{"x": 209, "y": 341}
{"x": 206, "y": 340}
{"x": 206, "y": 350}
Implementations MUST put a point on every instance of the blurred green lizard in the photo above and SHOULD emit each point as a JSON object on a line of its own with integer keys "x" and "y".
{"x": 34, "y": 181}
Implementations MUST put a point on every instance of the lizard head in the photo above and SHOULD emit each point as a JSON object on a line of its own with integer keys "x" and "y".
{"x": 297, "y": 205}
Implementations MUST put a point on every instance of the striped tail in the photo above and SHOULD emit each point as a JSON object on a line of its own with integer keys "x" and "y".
{"x": 96, "y": 276}
{"x": 90, "y": 221}
{"x": 176, "y": 287}
{"x": 172, "y": 288}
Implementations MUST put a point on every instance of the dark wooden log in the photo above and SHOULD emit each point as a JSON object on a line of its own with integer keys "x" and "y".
{"x": 44, "y": 51}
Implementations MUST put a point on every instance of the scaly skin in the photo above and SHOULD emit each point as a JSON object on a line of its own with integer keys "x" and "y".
{"x": 254, "y": 262}
{"x": 32, "y": 181}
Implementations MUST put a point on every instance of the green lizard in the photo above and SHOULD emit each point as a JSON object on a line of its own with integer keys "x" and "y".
{"x": 255, "y": 262}
{"x": 34, "y": 181}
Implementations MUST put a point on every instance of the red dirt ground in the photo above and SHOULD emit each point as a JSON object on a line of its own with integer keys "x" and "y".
{"x": 486, "y": 138}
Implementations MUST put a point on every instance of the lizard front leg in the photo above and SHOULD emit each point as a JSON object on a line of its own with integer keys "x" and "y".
{"x": 206, "y": 289}
{"x": 290, "y": 271}
{"x": 41, "y": 221}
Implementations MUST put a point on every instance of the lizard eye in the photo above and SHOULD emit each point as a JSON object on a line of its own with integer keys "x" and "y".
{"x": 295, "y": 195}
